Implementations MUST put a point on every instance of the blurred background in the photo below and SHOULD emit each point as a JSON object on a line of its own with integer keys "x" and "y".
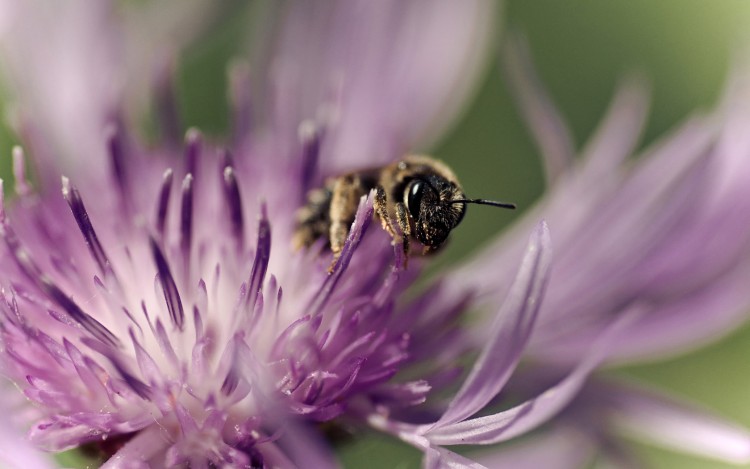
{"x": 581, "y": 49}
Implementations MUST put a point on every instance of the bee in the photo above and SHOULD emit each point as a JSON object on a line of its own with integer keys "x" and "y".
{"x": 420, "y": 193}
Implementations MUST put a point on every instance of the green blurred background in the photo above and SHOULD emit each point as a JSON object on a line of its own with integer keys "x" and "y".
{"x": 581, "y": 48}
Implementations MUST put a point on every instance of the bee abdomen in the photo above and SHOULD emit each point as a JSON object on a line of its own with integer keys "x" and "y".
{"x": 313, "y": 219}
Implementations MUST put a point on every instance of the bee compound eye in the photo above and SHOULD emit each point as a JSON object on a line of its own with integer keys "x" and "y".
{"x": 414, "y": 198}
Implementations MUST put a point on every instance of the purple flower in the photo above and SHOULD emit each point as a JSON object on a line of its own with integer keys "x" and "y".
{"x": 662, "y": 236}
{"x": 155, "y": 309}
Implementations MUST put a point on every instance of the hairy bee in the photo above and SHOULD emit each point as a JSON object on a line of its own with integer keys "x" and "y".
{"x": 420, "y": 193}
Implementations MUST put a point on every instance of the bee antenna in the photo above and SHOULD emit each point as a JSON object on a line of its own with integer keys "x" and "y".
{"x": 485, "y": 202}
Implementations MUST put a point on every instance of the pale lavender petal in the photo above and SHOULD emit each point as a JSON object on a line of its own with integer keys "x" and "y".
{"x": 363, "y": 71}
{"x": 559, "y": 447}
{"x": 617, "y": 135}
{"x": 524, "y": 417}
{"x": 103, "y": 56}
{"x": 681, "y": 326}
{"x": 660, "y": 419}
{"x": 665, "y": 229}
{"x": 155, "y": 33}
{"x": 441, "y": 458}
{"x": 139, "y": 449}
{"x": 306, "y": 448}
{"x": 77, "y": 43}
{"x": 509, "y": 333}
{"x": 549, "y": 130}
{"x": 16, "y": 452}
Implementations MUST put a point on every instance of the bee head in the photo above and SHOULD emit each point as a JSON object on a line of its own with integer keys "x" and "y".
{"x": 430, "y": 201}
{"x": 437, "y": 205}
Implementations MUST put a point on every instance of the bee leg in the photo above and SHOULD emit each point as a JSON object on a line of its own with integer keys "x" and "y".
{"x": 403, "y": 222}
{"x": 344, "y": 200}
{"x": 381, "y": 209}
{"x": 380, "y": 205}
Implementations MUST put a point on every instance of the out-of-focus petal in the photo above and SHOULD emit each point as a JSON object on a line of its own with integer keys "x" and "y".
{"x": 509, "y": 333}
{"x": 62, "y": 61}
{"x": 550, "y": 132}
{"x": 618, "y": 134}
{"x": 306, "y": 448}
{"x": 379, "y": 78}
{"x": 664, "y": 232}
{"x": 75, "y": 67}
{"x": 15, "y": 450}
{"x": 559, "y": 448}
{"x": 681, "y": 326}
{"x": 155, "y": 28}
{"x": 139, "y": 449}
{"x": 656, "y": 418}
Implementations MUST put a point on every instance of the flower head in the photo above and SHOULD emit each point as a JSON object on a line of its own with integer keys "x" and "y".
{"x": 154, "y": 308}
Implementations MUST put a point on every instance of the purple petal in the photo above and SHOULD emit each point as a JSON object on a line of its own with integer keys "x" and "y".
{"x": 56, "y": 435}
{"x": 524, "y": 417}
{"x": 550, "y": 132}
{"x": 560, "y": 447}
{"x": 85, "y": 372}
{"x": 53, "y": 292}
{"x": 682, "y": 326}
{"x": 75, "y": 202}
{"x": 234, "y": 203}
{"x": 42, "y": 39}
{"x": 663, "y": 420}
{"x": 441, "y": 458}
{"x": 162, "y": 206}
{"x": 262, "y": 256}
{"x": 359, "y": 226}
{"x": 17, "y": 453}
{"x": 186, "y": 217}
{"x": 168, "y": 285}
{"x": 19, "y": 172}
{"x": 618, "y": 134}
{"x": 165, "y": 345}
{"x": 509, "y": 334}
{"x": 142, "y": 447}
{"x": 369, "y": 72}
{"x": 306, "y": 448}
{"x": 148, "y": 367}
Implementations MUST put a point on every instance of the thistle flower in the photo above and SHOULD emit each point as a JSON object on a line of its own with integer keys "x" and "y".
{"x": 156, "y": 310}
{"x": 662, "y": 235}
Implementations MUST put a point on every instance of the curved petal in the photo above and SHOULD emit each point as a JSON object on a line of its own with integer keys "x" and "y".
{"x": 62, "y": 59}
{"x": 550, "y": 132}
{"x": 656, "y": 418}
{"x": 559, "y": 447}
{"x": 378, "y": 77}
{"x": 137, "y": 451}
{"x": 509, "y": 333}
{"x": 681, "y": 326}
{"x": 441, "y": 458}
{"x": 620, "y": 130}
{"x": 72, "y": 66}
{"x": 528, "y": 415}
{"x": 666, "y": 231}
{"x": 305, "y": 447}
{"x": 155, "y": 32}
{"x": 15, "y": 450}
